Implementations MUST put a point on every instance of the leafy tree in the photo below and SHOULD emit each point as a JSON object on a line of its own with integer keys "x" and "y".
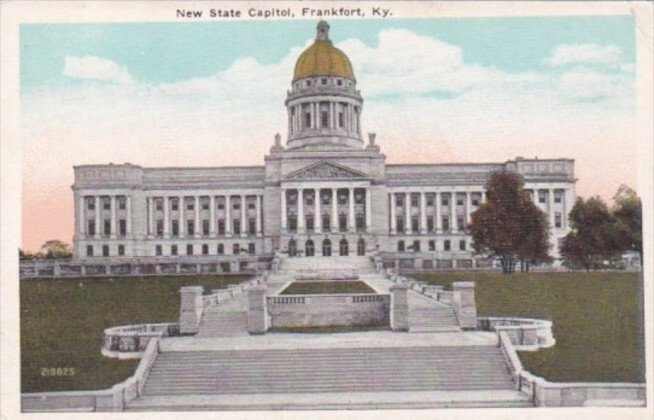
{"x": 55, "y": 249}
{"x": 509, "y": 224}
{"x": 595, "y": 235}
{"x": 628, "y": 213}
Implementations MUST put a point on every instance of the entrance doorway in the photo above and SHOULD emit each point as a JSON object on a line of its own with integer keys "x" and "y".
{"x": 361, "y": 247}
{"x": 326, "y": 248}
{"x": 292, "y": 248}
{"x": 308, "y": 248}
{"x": 343, "y": 248}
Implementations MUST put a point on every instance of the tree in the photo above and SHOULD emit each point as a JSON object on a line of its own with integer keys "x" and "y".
{"x": 595, "y": 235}
{"x": 55, "y": 249}
{"x": 509, "y": 224}
{"x": 628, "y": 213}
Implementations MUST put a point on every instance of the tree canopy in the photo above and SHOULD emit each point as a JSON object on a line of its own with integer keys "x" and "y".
{"x": 509, "y": 224}
{"x": 628, "y": 213}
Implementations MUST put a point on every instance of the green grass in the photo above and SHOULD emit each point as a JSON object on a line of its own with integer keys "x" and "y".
{"x": 62, "y": 322}
{"x": 327, "y": 287}
{"x": 595, "y": 315}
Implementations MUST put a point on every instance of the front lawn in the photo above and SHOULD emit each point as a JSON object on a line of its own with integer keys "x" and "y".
{"x": 595, "y": 315}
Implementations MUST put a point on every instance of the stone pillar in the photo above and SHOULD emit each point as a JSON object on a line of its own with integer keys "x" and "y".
{"x": 468, "y": 208}
{"x": 399, "y": 307}
{"x": 182, "y": 217}
{"x": 196, "y": 218}
{"x": 190, "y": 311}
{"x": 407, "y": 213}
{"x": 454, "y": 214}
{"x": 300, "y": 210}
{"x": 113, "y": 217}
{"x": 81, "y": 222}
{"x": 228, "y": 216}
{"x": 150, "y": 204}
{"x": 257, "y": 322}
{"x": 393, "y": 217}
{"x": 467, "y": 313}
{"x": 317, "y": 220}
{"x": 350, "y": 218}
{"x": 166, "y": 217}
{"x": 258, "y": 221}
{"x": 97, "y": 217}
{"x": 423, "y": 213}
{"x": 128, "y": 207}
{"x": 439, "y": 216}
{"x": 334, "y": 210}
{"x": 212, "y": 216}
{"x": 550, "y": 207}
{"x": 244, "y": 216}
{"x": 284, "y": 216}
{"x": 368, "y": 210}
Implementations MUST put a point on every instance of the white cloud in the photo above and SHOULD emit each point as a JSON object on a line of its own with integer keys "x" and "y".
{"x": 96, "y": 68}
{"x": 584, "y": 54}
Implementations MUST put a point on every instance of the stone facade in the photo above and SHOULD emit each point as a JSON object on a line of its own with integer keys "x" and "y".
{"x": 324, "y": 192}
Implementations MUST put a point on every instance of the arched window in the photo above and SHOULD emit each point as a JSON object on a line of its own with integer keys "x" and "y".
{"x": 361, "y": 247}
{"x": 326, "y": 248}
{"x": 308, "y": 248}
{"x": 292, "y": 248}
{"x": 343, "y": 247}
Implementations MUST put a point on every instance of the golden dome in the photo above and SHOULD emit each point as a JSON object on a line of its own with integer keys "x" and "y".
{"x": 322, "y": 58}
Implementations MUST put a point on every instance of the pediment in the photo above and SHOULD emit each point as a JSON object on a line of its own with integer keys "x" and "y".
{"x": 325, "y": 170}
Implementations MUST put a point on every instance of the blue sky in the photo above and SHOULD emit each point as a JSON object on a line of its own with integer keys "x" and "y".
{"x": 170, "y": 52}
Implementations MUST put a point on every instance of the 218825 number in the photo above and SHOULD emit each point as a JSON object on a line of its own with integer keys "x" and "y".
{"x": 58, "y": 371}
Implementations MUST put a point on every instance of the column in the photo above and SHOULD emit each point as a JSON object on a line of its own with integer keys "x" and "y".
{"x": 393, "y": 218}
{"x": 454, "y": 216}
{"x": 166, "y": 217}
{"x": 423, "y": 213}
{"x": 97, "y": 217}
{"x": 407, "y": 213}
{"x": 197, "y": 216}
{"x": 439, "y": 216}
{"x": 350, "y": 220}
{"x": 128, "y": 206}
{"x": 332, "y": 115}
{"x": 316, "y": 114}
{"x": 82, "y": 219}
{"x": 317, "y": 220}
{"x": 334, "y": 210}
{"x": 284, "y": 217}
{"x": 228, "y": 216}
{"x": 290, "y": 121}
{"x": 182, "y": 218}
{"x": 212, "y": 216}
{"x": 244, "y": 217}
{"x": 258, "y": 221}
{"x": 468, "y": 207}
{"x": 300, "y": 210}
{"x": 151, "y": 216}
{"x": 550, "y": 207}
{"x": 368, "y": 210}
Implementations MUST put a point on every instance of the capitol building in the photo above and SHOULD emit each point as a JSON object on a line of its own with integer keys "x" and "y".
{"x": 324, "y": 191}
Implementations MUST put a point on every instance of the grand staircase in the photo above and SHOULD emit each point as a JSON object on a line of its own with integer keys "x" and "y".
{"x": 444, "y": 369}
{"x": 428, "y": 315}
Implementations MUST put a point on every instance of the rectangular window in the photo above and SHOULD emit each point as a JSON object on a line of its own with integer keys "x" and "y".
{"x": 360, "y": 222}
{"x": 416, "y": 246}
{"x": 475, "y": 200}
{"x": 446, "y": 223}
{"x": 400, "y": 246}
{"x": 415, "y": 200}
{"x": 399, "y": 200}
{"x": 173, "y": 250}
{"x": 205, "y": 227}
{"x": 445, "y": 199}
{"x": 432, "y": 245}
{"x": 462, "y": 245}
{"x": 175, "y": 228}
{"x": 122, "y": 227}
{"x": 308, "y": 220}
{"x": 105, "y": 250}
{"x": 324, "y": 119}
{"x": 252, "y": 226}
{"x": 307, "y": 120}
{"x": 430, "y": 223}
{"x": 221, "y": 226}
{"x": 399, "y": 222}
{"x": 205, "y": 204}
{"x": 557, "y": 220}
{"x": 189, "y": 249}
{"x": 237, "y": 226}
{"x": 558, "y": 197}
{"x": 415, "y": 224}
{"x": 174, "y": 204}
{"x": 106, "y": 203}
{"x": 122, "y": 202}
{"x": 89, "y": 250}
{"x": 460, "y": 199}
{"x": 221, "y": 249}
{"x": 160, "y": 227}
{"x": 190, "y": 204}
{"x": 236, "y": 249}
{"x": 205, "y": 249}
{"x": 542, "y": 196}
{"x": 91, "y": 230}
{"x": 292, "y": 222}
{"x": 107, "y": 227}
{"x": 461, "y": 224}
{"x": 252, "y": 205}
{"x": 121, "y": 250}
{"x": 190, "y": 227}
{"x": 341, "y": 119}
{"x": 90, "y": 203}
{"x": 158, "y": 251}
{"x": 158, "y": 202}
{"x": 446, "y": 245}
{"x": 430, "y": 200}
{"x": 326, "y": 223}
{"x": 342, "y": 222}
{"x": 251, "y": 248}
